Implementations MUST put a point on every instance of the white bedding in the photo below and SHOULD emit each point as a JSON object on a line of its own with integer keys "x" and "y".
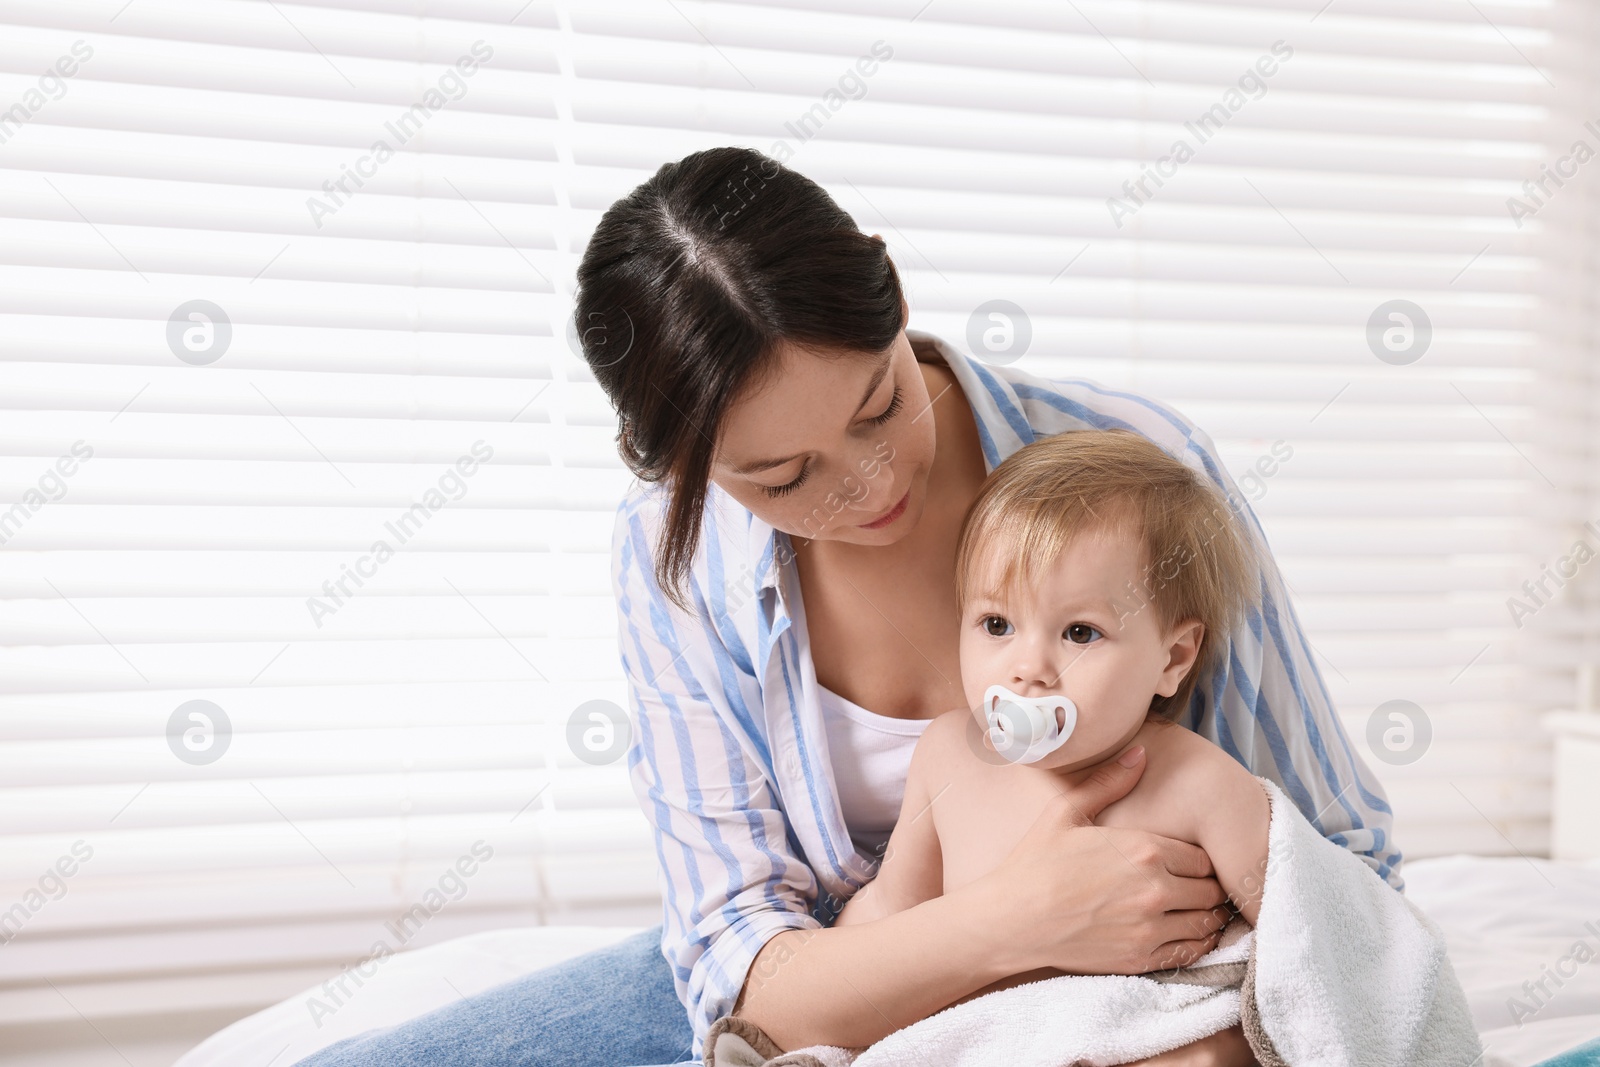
{"x": 1507, "y": 921}
{"x": 1510, "y": 922}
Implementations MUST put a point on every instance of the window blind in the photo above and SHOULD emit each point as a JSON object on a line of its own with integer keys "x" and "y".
{"x": 308, "y": 585}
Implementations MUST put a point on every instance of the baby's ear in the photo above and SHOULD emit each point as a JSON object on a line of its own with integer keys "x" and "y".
{"x": 1183, "y": 648}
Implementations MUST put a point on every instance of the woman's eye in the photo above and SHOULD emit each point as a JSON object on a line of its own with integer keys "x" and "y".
{"x": 889, "y": 412}
{"x": 779, "y": 490}
{"x": 995, "y": 626}
{"x": 1081, "y": 633}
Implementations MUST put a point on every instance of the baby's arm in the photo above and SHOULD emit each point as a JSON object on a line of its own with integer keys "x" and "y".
{"x": 1233, "y": 831}
{"x": 1196, "y": 792}
{"x": 912, "y": 869}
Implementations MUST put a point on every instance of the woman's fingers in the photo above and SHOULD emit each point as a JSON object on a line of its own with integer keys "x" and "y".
{"x": 1183, "y": 859}
{"x": 1192, "y": 894}
{"x": 1106, "y": 784}
{"x": 1182, "y": 953}
{"x": 1104, "y": 900}
{"x": 1194, "y": 929}
{"x": 1190, "y": 925}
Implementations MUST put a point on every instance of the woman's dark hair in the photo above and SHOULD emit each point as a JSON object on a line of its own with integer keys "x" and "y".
{"x": 685, "y": 290}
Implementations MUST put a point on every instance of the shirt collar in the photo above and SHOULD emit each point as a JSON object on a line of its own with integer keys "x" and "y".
{"x": 767, "y": 548}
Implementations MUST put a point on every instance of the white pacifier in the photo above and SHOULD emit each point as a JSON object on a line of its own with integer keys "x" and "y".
{"x": 1024, "y": 729}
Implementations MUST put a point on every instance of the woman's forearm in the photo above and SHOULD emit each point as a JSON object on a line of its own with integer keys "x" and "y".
{"x": 852, "y": 985}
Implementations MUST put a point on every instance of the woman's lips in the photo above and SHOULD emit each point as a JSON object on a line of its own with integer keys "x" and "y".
{"x": 889, "y": 516}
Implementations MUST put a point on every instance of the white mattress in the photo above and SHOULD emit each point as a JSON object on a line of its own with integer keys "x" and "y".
{"x": 1508, "y": 921}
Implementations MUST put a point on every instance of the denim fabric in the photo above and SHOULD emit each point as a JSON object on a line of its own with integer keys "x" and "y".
{"x": 613, "y": 1007}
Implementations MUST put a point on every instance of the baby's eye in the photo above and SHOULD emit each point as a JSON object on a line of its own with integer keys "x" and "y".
{"x": 1081, "y": 633}
{"x": 995, "y": 626}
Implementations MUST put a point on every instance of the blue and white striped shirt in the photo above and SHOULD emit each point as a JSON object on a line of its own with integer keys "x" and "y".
{"x": 730, "y": 762}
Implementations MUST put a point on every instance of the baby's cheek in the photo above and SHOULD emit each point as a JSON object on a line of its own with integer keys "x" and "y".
{"x": 1105, "y": 716}
{"x": 1091, "y": 737}
{"x": 974, "y": 675}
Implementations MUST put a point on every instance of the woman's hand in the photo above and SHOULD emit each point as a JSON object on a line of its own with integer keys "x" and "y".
{"x": 1225, "y": 1048}
{"x": 1085, "y": 899}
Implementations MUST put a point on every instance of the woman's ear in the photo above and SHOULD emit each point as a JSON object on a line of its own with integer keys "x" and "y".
{"x": 1183, "y": 648}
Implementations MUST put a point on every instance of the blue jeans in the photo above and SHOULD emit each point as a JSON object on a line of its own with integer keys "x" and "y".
{"x": 613, "y": 1007}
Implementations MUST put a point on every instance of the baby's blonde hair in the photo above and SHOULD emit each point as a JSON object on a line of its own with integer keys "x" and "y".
{"x": 1199, "y": 562}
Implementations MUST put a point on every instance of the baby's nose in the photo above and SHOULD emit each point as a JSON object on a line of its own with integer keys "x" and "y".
{"x": 1034, "y": 677}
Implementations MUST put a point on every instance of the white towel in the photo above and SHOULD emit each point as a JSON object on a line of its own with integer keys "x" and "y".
{"x": 1342, "y": 972}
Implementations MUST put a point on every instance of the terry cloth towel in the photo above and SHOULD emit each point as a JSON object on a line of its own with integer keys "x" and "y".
{"x": 1341, "y": 971}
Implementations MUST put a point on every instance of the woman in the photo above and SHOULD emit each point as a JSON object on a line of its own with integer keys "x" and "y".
{"x": 785, "y": 565}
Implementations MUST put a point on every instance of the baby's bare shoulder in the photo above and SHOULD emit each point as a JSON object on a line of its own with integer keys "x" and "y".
{"x": 944, "y": 745}
{"x": 1178, "y": 754}
{"x": 942, "y": 735}
{"x": 1162, "y": 735}
{"x": 1183, "y": 774}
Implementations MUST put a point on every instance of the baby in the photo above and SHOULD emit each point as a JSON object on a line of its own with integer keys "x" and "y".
{"x": 1097, "y": 577}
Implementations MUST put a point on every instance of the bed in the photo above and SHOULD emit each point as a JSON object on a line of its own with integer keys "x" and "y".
{"x": 1524, "y": 935}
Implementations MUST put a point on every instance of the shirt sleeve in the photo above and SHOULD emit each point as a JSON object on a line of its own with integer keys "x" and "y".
{"x": 702, "y": 773}
{"x": 1267, "y": 705}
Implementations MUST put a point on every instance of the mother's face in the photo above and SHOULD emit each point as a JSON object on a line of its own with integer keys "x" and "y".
{"x": 829, "y": 444}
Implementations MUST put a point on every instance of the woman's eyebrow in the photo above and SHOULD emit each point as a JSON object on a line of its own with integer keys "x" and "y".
{"x": 872, "y": 387}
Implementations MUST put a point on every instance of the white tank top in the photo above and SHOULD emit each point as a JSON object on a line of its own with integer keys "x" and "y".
{"x": 871, "y": 755}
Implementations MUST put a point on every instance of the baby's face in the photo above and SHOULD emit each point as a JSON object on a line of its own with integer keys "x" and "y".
{"x": 1087, "y": 630}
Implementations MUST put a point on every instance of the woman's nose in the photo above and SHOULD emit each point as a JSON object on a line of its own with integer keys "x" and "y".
{"x": 871, "y": 494}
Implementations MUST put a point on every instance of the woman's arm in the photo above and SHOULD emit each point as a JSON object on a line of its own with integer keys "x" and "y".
{"x": 1071, "y": 896}
{"x": 729, "y": 878}
{"x": 1275, "y": 715}
{"x": 853, "y": 984}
